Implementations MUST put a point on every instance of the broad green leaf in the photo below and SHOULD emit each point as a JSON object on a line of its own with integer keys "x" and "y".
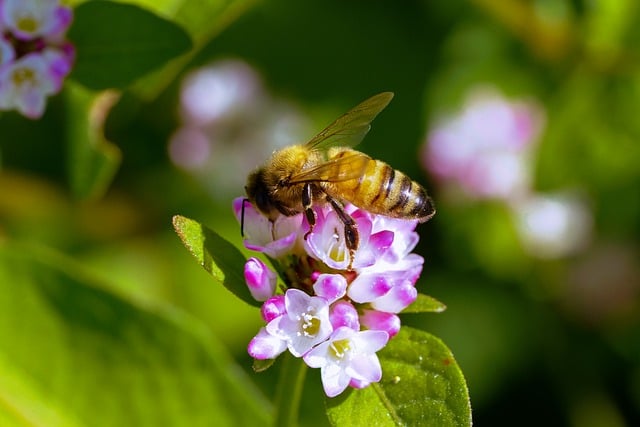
{"x": 117, "y": 43}
{"x": 23, "y": 403}
{"x": 219, "y": 257}
{"x": 422, "y": 385}
{"x": 425, "y": 304}
{"x": 74, "y": 354}
{"x": 92, "y": 160}
{"x": 203, "y": 20}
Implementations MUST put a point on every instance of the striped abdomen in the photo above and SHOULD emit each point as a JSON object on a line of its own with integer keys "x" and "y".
{"x": 385, "y": 191}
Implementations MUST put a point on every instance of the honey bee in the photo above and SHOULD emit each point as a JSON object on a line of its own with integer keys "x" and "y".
{"x": 326, "y": 170}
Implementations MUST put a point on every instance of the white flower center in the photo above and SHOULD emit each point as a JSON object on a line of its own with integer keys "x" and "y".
{"x": 336, "y": 250}
{"x": 24, "y": 76}
{"x": 339, "y": 349}
{"x": 309, "y": 324}
{"x": 27, "y": 23}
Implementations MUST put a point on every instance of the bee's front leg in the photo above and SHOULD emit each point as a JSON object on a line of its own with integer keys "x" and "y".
{"x": 351, "y": 236}
{"x": 307, "y": 202}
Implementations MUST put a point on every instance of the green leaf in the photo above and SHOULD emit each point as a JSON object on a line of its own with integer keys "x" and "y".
{"x": 260, "y": 365}
{"x": 421, "y": 385}
{"x": 425, "y": 304}
{"x": 118, "y": 43}
{"x": 22, "y": 403}
{"x": 203, "y": 20}
{"x": 75, "y": 354}
{"x": 219, "y": 257}
{"x": 92, "y": 159}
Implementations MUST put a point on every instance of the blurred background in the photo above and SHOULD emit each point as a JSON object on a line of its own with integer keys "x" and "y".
{"x": 519, "y": 116}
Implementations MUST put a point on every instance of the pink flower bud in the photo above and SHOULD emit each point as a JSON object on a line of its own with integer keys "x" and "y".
{"x": 272, "y": 308}
{"x": 266, "y": 346}
{"x": 381, "y": 321}
{"x": 343, "y": 313}
{"x": 260, "y": 280}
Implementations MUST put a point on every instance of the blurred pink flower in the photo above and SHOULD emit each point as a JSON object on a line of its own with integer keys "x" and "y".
{"x": 484, "y": 149}
{"x": 31, "y": 19}
{"x": 25, "y": 84}
{"x": 229, "y": 123}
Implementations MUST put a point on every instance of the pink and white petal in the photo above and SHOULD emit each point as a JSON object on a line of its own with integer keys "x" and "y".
{"x": 381, "y": 321}
{"x": 365, "y": 366}
{"x": 368, "y": 342}
{"x": 330, "y": 286}
{"x": 334, "y": 380}
{"x": 266, "y": 346}
{"x": 343, "y": 313}
{"x": 368, "y": 287}
{"x": 7, "y": 53}
{"x": 59, "y": 66}
{"x": 58, "y": 23}
{"x": 397, "y": 299}
{"x": 261, "y": 281}
{"x": 272, "y": 308}
{"x": 31, "y": 103}
{"x": 359, "y": 383}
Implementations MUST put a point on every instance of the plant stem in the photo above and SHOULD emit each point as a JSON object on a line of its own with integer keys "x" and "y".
{"x": 289, "y": 391}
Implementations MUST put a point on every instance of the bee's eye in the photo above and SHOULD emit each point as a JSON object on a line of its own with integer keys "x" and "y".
{"x": 262, "y": 201}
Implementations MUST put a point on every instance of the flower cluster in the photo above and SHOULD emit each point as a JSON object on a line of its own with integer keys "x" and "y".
{"x": 35, "y": 58}
{"x": 334, "y": 317}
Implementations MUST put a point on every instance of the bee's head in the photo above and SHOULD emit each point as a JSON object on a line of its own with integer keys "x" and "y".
{"x": 258, "y": 193}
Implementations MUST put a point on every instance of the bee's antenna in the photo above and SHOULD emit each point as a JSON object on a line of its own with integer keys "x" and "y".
{"x": 242, "y": 217}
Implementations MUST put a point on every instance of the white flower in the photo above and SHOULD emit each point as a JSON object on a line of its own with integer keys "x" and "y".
{"x": 305, "y": 324}
{"x": 25, "y": 85}
{"x": 348, "y": 358}
{"x": 29, "y": 19}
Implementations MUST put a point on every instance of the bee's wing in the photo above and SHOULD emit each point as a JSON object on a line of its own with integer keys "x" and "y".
{"x": 349, "y": 129}
{"x": 349, "y": 166}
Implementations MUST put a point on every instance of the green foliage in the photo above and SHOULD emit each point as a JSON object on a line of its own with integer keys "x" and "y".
{"x": 93, "y": 161}
{"x": 421, "y": 385}
{"x": 96, "y": 183}
{"x": 75, "y": 354}
{"x": 118, "y": 43}
{"x": 425, "y": 304}
{"x": 216, "y": 255}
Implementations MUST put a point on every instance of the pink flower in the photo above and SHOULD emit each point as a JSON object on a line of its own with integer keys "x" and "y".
{"x": 305, "y": 324}
{"x": 25, "y": 85}
{"x": 274, "y": 239}
{"x": 484, "y": 149}
{"x": 328, "y": 245}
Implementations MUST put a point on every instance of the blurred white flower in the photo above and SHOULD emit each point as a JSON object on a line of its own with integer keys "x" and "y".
{"x": 219, "y": 91}
{"x": 230, "y": 124}
{"x": 485, "y": 149}
{"x": 553, "y": 226}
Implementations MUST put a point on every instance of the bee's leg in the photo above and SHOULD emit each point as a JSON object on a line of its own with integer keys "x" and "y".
{"x": 307, "y": 202}
{"x": 351, "y": 236}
